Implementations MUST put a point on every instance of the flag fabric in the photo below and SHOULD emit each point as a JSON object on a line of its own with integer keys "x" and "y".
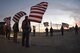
{"x": 65, "y": 25}
{"x": 46, "y": 24}
{"x": 37, "y": 12}
{"x": 18, "y": 15}
{"x": 7, "y": 20}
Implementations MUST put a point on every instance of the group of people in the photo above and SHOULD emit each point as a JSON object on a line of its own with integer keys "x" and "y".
{"x": 75, "y": 28}
{"x": 26, "y": 29}
{"x": 51, "y": 31}
{"x": 62, "y": 30}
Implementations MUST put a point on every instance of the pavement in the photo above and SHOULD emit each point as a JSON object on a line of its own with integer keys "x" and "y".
{"x": 69, "y": 43}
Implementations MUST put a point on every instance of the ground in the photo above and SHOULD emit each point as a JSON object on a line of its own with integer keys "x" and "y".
{"x": 69, "y": 43}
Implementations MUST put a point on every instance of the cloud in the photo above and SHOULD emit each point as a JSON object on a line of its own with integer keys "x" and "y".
{"x": 68, "y": 7}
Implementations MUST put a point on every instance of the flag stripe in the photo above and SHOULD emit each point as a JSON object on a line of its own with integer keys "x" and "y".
{"x": 15, "y": 20}
{"x": 43, "y": 7}
{"x": 43, "y": 3}
{"x": 18, "y": 15}
{"x": 37, "y": 12}
{"x": 36, "y": 7}
{"x": 35, "y": 16}
{"x": 35, "y": 19}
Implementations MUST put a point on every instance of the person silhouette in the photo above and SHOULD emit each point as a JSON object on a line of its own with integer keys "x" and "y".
{"x": 76, "y": 29}
{"x": 26, "y": 28}
{"x": 8, "y": 31}
{"x": 62, "y": 30}
{"x": 33, "y": 30}
{"x": 51, "y": 31}
{"x": 15, "y": 30}
{"x": 46, "y": 30}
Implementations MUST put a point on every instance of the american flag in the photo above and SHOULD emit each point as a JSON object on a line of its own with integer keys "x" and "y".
{"x": 7, "y": 20}
{"x": 65, "y": 25}
{"x": 37, "y": 12}
{"x": 46, "y": 24}
{"x": 18, "y": 15}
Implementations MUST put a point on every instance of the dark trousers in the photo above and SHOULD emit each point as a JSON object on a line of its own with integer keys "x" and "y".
{"x": 8, "y": 35}
{"x": 33, "y": 33}
{"x": 15, "y": 37}
{"x": 25, "y": 39}
{"x": 62, "y": 33}
{"x": 76, "y": 32}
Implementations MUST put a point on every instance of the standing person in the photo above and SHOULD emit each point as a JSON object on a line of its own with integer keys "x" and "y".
{"x": 26, "y": 31}
{"x": 46, "y": 31}
{"x": 15, "y": 30}
{"x": 76, "y": 30}
{"x": 51, "y": 31}
{"x": 7, "y": 26}
{"x": 62, "y": 30}
{"x": 8, "y": 31}
{"x": 33, "y": 30}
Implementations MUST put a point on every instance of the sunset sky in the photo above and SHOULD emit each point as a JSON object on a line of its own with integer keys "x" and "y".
{"x": 58, "y": 11}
